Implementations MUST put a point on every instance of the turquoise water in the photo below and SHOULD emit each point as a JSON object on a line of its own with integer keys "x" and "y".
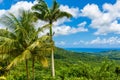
{"x": 92, "y": 50}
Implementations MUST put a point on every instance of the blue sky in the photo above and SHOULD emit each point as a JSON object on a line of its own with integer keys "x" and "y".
{"x": 95, "y": 23}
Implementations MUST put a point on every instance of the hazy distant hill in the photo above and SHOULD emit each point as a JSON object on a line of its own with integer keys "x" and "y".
{"x": 113, "y": 54}
{"x": 69, "y": 55}
{"x": 84, "y": 56}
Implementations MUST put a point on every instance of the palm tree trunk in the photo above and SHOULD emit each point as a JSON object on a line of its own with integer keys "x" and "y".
{"x": 52, "y": 52}
{"x": 53, "y": 66}
{"x": 27, "y": 73}
{"x": 33, "y": 74}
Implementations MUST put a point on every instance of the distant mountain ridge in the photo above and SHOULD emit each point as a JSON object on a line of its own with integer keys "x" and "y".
{"x": 70, "y": 55}
{"x": 113, "y": 54}
{"x": 86, "y": 56}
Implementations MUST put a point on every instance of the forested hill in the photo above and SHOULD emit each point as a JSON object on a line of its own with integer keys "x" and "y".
{"x": 113, "y": 54}
{"x": 88, "y": 66}
{"x": 73, "y": 66}
{"x": 84, "y": 56}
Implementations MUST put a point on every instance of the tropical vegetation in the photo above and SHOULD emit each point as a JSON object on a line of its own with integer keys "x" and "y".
{"x": 22, "y": 49}
{"x": 21, "y": 42}
{"x": 73, "y": 66}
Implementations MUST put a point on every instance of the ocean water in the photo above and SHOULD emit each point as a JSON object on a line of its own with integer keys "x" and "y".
{"x": 91, "y": 50}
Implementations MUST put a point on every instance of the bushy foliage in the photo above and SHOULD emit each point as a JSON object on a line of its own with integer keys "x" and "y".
{"x": 70, "y": 66}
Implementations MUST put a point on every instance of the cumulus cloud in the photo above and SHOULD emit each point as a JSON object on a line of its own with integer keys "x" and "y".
{"x": 81, "y": 27}
{"x": 58, "y": 27}
{"x": 61, "y": 21}
{"x": 66, "y": 30}
{"x": 60, "y": 43}
{"x": 79, "y": 42}
{"x": 22, "y": 5}
{"x": 92, "y": 11}
{"x": 111, "y": 42}
{"x": 74, "y": 11}
{"x": 15, "y": 9}
{"x": 106, "y": 21}
{"x": 2, "y": 12}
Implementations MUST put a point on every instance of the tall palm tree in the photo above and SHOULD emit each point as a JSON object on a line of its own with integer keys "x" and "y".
{"x": 22, "y": 36}
{"x": 43, "y": 12}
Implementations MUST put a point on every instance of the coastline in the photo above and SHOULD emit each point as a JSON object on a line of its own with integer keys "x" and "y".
{"x": 92, "y": 50}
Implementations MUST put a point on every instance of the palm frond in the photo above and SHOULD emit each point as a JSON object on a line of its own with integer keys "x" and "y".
{"x": 41, "y": 6}
{"x": 43, "y": 27}
{"x": 36, "y": 33}
{"x": 6, "y": 33}
{"x": 25, "y": 55}
{"x": 40, "y": 42}
{"x": 61, "y": 14}
{"x": 55, "y": 6}
{"x": 10, "y": 21}
{"x": 44, "y": 38}
{"x": 43, "y": 9}
{"x": 7, "y": 44}
{"x": 43, "y": 60}
{"x": 3, "y": 56}
{"x": 43, "y": 12}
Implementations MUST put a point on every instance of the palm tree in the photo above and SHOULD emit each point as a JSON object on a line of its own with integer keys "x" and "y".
{"x": 43, "y": 12}
{"x": 22, "y": 36}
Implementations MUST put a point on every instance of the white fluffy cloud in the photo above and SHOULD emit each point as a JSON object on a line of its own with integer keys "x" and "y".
{"x": 59, "y": 27}
{"x": 24, "y": 5}
{"x": 106, "y": 21}
{"x": 15, "y": 9}
{"x": 74, "y": 11}
{"x": 20, "y": 5}
{"x": 61, "y": 21}
{"x": 2, "y": 12}
{"x": 60, "y": 43}
{"x": 79, "y": 42}
{"x": 66, "y": 30}
{"x": 111, "y": 42}
{"x": 92, "y": 11}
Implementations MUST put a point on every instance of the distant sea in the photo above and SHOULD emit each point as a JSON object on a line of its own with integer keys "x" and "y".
{"x": 91, "y": 50}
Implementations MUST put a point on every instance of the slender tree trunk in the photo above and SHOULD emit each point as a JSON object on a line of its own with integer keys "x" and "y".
{"x": 53, "y": 66}
{"x": 52, "y": 52}
{"x": 33, "y": 71}
{"x": 27, "y": 73}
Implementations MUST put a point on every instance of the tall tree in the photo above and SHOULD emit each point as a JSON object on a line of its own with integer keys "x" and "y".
{"x": 43, "y": 12}
{"x": 21, "y": 39}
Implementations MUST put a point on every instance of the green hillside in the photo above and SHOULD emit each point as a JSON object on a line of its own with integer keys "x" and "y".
{"x": 72, "y": 66}
{"x": 113, "y": 54}
{"x": 76, "y": 56}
